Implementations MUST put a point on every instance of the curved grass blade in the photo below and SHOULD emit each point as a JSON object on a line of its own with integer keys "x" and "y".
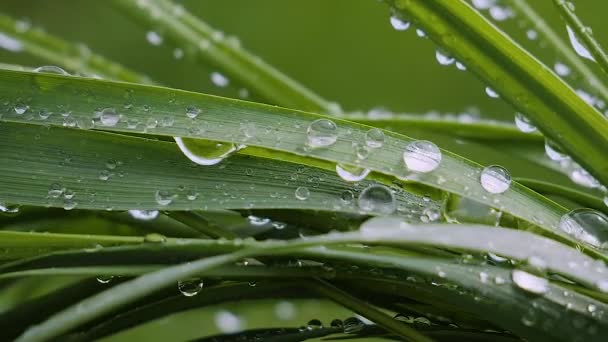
{"x": 522, "y": 7}
{"x": 583, "y": 32}
{"x": 278, "y": 130}
{"x": 212, "y": 47}
{"x": 74, "y": 57}
{"x": 518, "y": 77}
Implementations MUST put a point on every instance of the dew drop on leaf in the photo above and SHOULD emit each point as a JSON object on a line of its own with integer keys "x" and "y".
{"x": 143, "y": 215}
{"x": 554, "y": 152}
{"x": 205, "y": 152}
{"x": 443, "y": 58}
{"x": 530, "y": 282}
{"x": 374, "y": 138}
{"x": 51, "y": 69}
{"x": 492, "y": 93}
{"x": 399, "y": 24}
{"x": 302, "y": 193}
{"x": 351, "y": 173}
{"x": 322, "y": 133}
{"x": 495, "y": 179}
{"x": 219, "y": 80}
{"x": 190, "y": 287}
{"x": 109, "y": 117}
{"x": 586, "y": 225}
{"x": 192, "y": 112}
{"x": 104, "y": 279}
{"x": 577, "y": 45}
{"x": 561, "y": 69}
{"x": 422, "y": 156}
{"x": 154, "y": 38}
{"x": 378, "y": 199}
{"x": 524, "y": 124}
{"x": 164, "y": 197}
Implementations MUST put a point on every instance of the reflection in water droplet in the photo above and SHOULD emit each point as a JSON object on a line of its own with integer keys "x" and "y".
{"x": 322, "y": 133}
{"x": 529, "y": 282}
{"x": 495, "y": 179}
{"x": 422, "y": 156}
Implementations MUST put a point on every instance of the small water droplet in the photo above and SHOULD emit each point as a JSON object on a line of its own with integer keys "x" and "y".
{"x": 190, "y": 287}
{"x": 352, "y": 325}
{"x": 443, "y": 58}
{"x": 422, "y": 156}
{"x": 322, "y": 133}
{"x": 529, "y": 282}
{"x": 492, "y": 93}
{"x": 52, "y": 69}
{"x": 302, "y": 193}
{"x": 495, "y": 179}
{"x": 399, "y": 24}
{"x": 524, "y": 124}
{"x": 314, "y": 324}
{"x": 561, "y": 69}
{"x": 531, "y": 34}
{"x": 56, "y": 190}
{"x": 21, "y": 108}
{"x": 377, "y": 198}
{"x": 586, "y": 225}
{"x": 228, "y": 323}
{"x": 219, "y": 80}
{"x": 192, "y": 112}
{"x": 144, "y": 215}
{"x": 104, "y": 279}
{"x": 374, "y": 138}
{"x": 109, "y": 117}
{"x": 154, "y": 38}
{"x": 164, "y": 197}
{"x": 554, "y": 152}
{"x": 351, "y": 173}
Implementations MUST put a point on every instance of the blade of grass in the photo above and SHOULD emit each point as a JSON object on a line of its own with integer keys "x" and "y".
{"x": 518, "y": 77}
{"x": 76, "y": 58}
{"x": 567, "y": 11}
{"x": 211, "y": 47}
{"x": 279, "y": 131}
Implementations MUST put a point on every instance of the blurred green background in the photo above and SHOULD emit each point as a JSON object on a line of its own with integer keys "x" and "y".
{"x": 346, "y": 50}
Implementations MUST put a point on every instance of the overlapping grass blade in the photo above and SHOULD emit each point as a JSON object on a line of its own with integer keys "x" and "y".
{"x": 518, "y": 77}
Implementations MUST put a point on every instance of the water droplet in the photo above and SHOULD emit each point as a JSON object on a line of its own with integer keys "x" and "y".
{"x": 219, "y": 80}
{"x": 461, "y": 66}
{"x": 279, "y": 225}
{"x": 336, "y": 323}
{"x": 178, "y": 53}
{"x": 302, "y": 193}
{"x": 554, "y": 152}
{"x": 578, "y": 46}
{"x": 491, "y": 93}
{"x": 483, "y": 4}
{"x": 399, "y": 24}
{"x": 205, "y": 152}
{"x": 531, "y": 34}
{"x": 322, "y": 133}
{"x": 495, "y": 179}
{"x": 351, "y": 173}
{"x": 7, "y": 208}
{"x": 104, "y": 175}
{"x": 21, "y": 108}
{"x": 192, "y": 112}
{"x": 586, "y": 225}
{"x": 374, "y": 138}
{"x": 164, "y": 197}
{"x": 420, "y": 33}
{"x": 144, "y": 215}
{"x": 314, "y": 324}
{"x": 524, "y": 124}
{"x": 191, "y": 195}
{"x": 377, "y": 198}
{"x": 69, "y": 204}
{"x": 154, "y": 38}
{"x": 443, "y": 58}
{"x": 580, "y": 176}
{"x": 51, "y": 69}
{"x": 190, "y": 287}
{"x": 561, "y": 69}
{"x": 257, "y": 220}
{"x": 109, "y": 117}
{"x": 529, "y": 282}
{"x": 352, "y": 325}
{"x": 422, "y": 156}
{"x": 155, "y": 238}
{"x": 347, "y": 196}
{"x": 56, "y": 190}
{"x": 105, "y": 279}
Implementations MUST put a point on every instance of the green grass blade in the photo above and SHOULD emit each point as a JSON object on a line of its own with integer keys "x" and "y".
{"x": 211, "y": 47}
{"x": 278, "y": 129}
{"x": 582, "y": 31}
{"x": 518, "y": 77}
{"x": 75, "y": 58}
{"x": 561, "y": 47}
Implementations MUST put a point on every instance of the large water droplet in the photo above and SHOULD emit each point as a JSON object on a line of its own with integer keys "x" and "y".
{"x": 443, "y": 58}
{"x": 586, "y": 225}
{"x": 205, "y": 152}
{"x": 52, "y": 69}
{"x": 374, "y": 138}
{"x": 164, "y": 197}
{"x": 143, "y": 215}
{"x": 554, "y": 152}
{"x": 322, "y": 133}
{"x": 422, "y": 156}
{"x": 578, "y": 46}
{"x": 495, "y": 179}
{"x": 524, "y": 124}
{"x": 529, "y": 282}
{"x": 399, "y": 24}
{"x": 302, "y": 193}
{"x": 378, "y": 199}
{"x": 190, "y": 287}
{"x": 109, "y": 117}
{"x": 351, "y": 173}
